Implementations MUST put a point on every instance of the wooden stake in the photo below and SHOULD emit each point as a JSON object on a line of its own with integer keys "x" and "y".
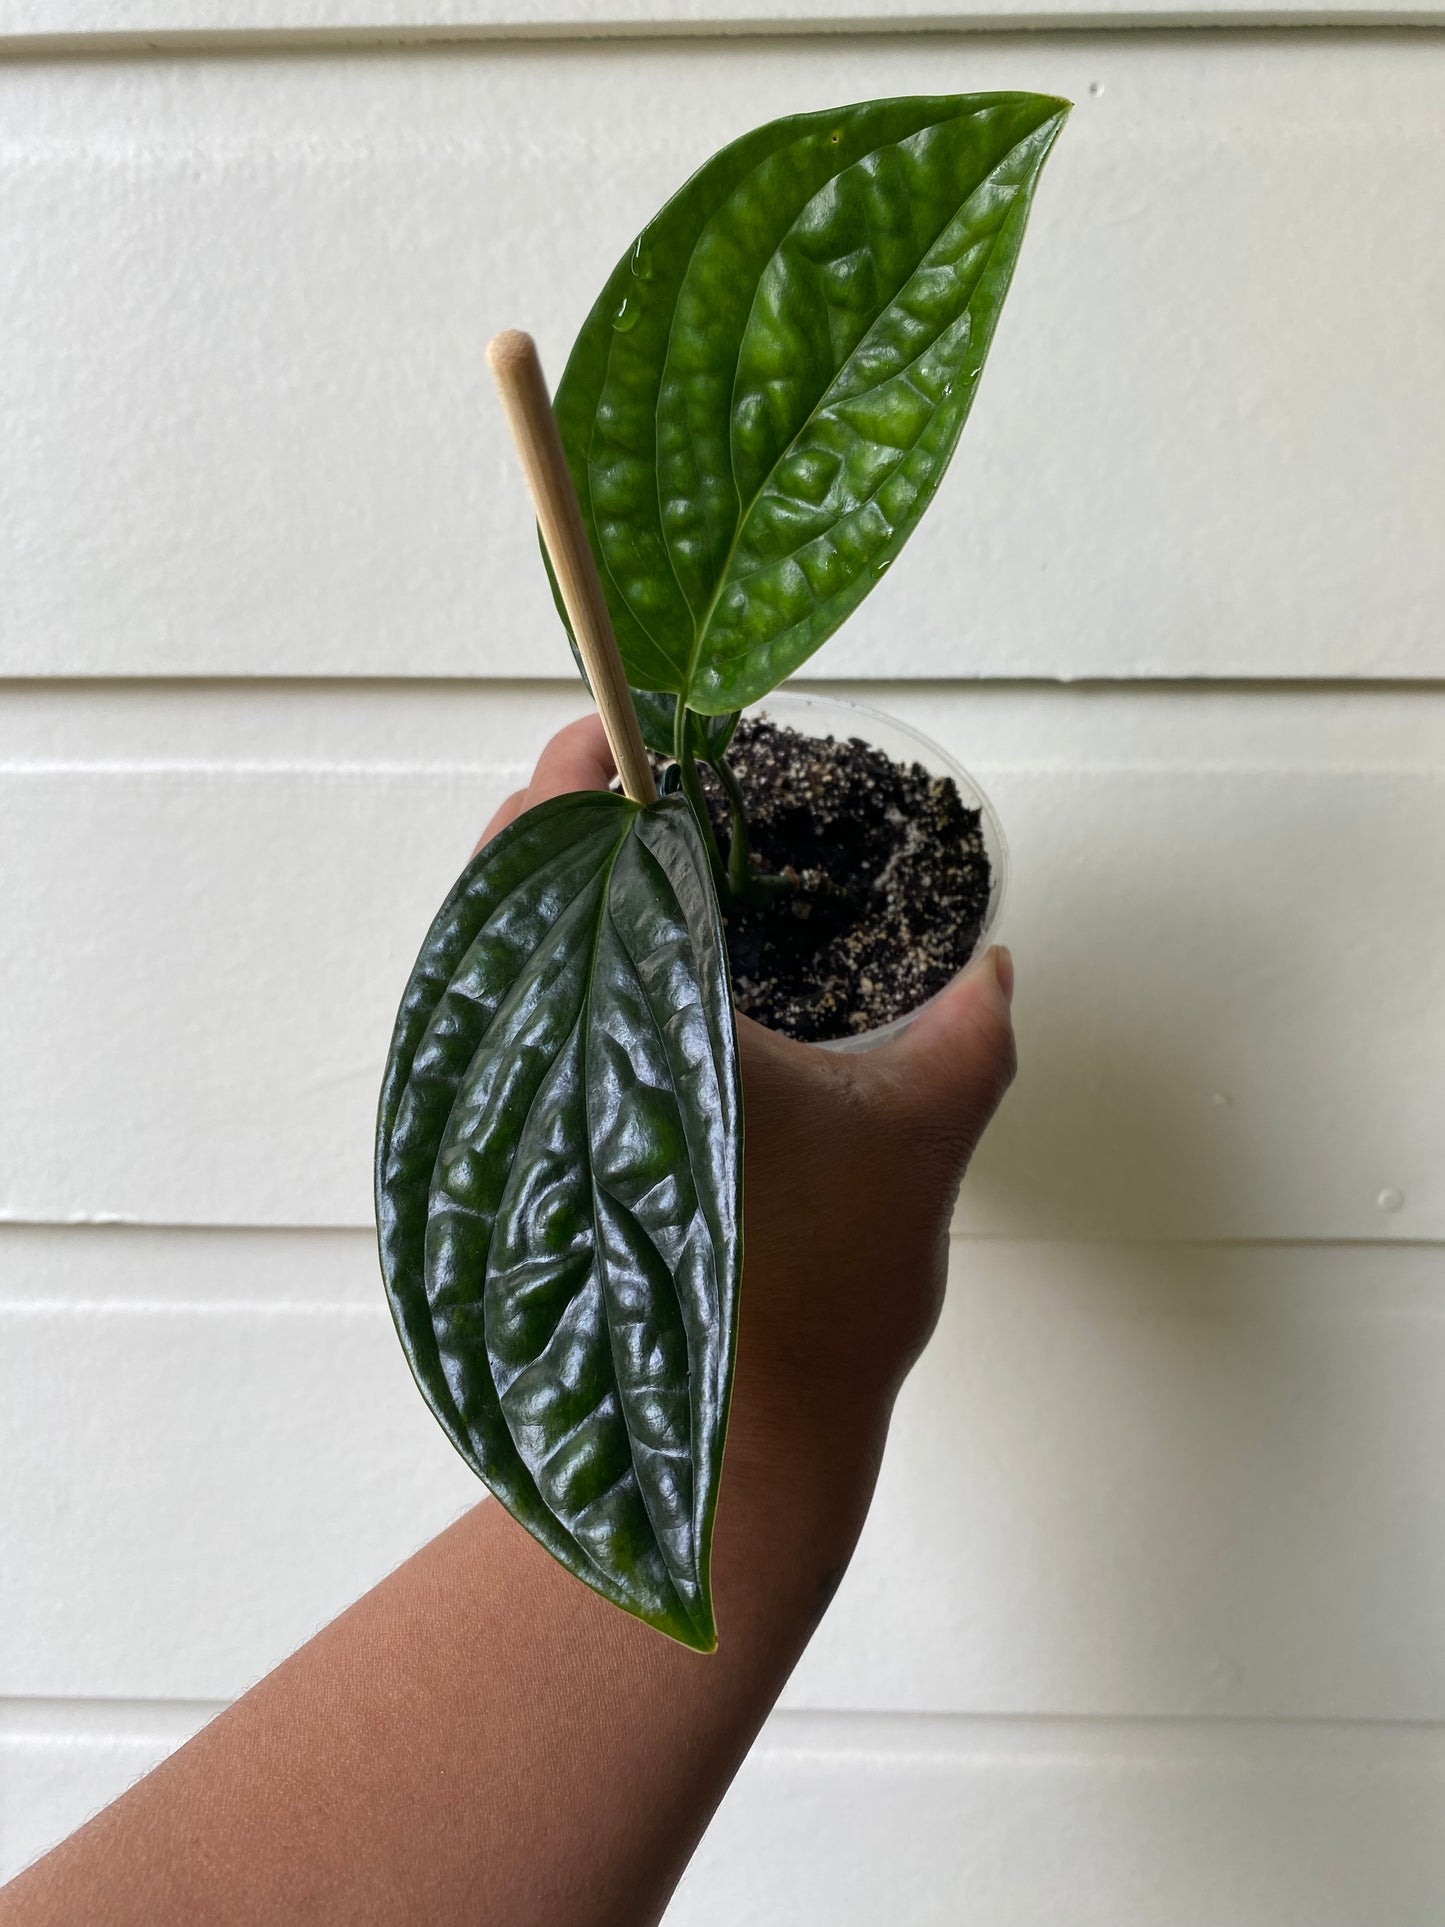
{"x": 518, "y": 375}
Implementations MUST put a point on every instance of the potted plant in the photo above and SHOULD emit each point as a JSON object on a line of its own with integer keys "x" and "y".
{"x": 756, "y": 413}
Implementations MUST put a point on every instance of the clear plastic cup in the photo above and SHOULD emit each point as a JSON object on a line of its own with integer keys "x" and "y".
{"x": 832, "y": 716}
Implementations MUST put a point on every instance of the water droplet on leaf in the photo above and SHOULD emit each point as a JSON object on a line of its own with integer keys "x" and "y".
{"x": 881, "y": 568}
{"x": 625, "y": 318}
{"x": 641, "y": 261}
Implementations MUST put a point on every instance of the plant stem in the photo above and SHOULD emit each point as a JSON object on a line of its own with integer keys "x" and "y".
{"x": 746, "y": 884}
{"x": 692, "y": 789}
{"x": 740, "y": 853}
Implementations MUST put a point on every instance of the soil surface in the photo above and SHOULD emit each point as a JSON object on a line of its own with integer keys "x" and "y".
{"x": 892, "y": 874}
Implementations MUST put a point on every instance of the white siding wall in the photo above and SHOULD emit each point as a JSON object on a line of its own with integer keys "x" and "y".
{"x": 1163, "y": 1643}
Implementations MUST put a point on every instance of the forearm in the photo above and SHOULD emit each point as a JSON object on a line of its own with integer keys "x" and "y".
{"x": 480, "y": 1737}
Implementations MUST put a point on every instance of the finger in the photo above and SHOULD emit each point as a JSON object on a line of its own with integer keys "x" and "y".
{"x": 508, "y": 812}
{"x": 951, "y": 1067}
{"x": 577, "y": 758}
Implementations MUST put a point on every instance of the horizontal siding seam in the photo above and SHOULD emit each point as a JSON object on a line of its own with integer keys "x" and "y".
{"x": 82, "y": 44}
{"x": 221, "y": 1228}
{"x": 22, "y": 1717}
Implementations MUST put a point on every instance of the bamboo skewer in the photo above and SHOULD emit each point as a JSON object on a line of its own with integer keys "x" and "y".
{"x": 520, "y": 383}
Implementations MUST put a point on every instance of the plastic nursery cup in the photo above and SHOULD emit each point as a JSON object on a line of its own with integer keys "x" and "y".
{"x": 832, "y": 716}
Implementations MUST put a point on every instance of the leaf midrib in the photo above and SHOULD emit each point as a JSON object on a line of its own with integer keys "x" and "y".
{"x": 594, "y": 1185}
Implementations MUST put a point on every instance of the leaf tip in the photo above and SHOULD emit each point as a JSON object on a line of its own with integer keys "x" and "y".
{"x": 694, "y": 1627}
{"x": 1057, "y": 112}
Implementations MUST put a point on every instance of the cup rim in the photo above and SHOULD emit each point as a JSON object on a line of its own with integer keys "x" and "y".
{"x": 937, "y": 758}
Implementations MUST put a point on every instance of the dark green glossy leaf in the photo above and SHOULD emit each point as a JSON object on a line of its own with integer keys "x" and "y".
{"x": 766, "y": 394}
{"x": 558, "y": 1191}
{"x": 657, "y": 712}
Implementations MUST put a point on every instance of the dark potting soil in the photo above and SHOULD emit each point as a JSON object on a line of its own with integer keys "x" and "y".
{"x": 893, "y": 882}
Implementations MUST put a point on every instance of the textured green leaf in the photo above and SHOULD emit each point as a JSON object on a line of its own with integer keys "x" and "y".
{"x": 558, "y": 1191}
{"x": 767, "y": 392}
{"x": 657, "y": 712}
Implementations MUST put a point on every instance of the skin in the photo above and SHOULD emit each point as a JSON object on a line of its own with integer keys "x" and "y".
{"x": 480, "y": 1738}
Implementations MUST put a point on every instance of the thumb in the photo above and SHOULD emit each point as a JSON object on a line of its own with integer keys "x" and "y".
{"x": 952, "y": 1065}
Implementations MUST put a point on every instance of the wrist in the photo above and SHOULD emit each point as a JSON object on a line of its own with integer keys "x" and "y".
{"x": 798, "y": 1475}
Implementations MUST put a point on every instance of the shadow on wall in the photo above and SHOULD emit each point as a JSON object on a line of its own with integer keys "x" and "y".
{"x": 1121, "y": 1124}
{"x": 1170, "y": 1451}
{"x": 1159, "y": 1480}
{"x": 1201, "y": 1055}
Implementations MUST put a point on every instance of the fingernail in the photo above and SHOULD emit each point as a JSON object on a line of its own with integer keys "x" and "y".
{"x": 1003, "y": 964}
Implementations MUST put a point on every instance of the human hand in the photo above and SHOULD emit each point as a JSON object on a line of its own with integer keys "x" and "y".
{"x": 853, "y": 1164}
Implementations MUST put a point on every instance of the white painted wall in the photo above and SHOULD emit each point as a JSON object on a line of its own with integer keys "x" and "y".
{"x": 1165, "y": 1643}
